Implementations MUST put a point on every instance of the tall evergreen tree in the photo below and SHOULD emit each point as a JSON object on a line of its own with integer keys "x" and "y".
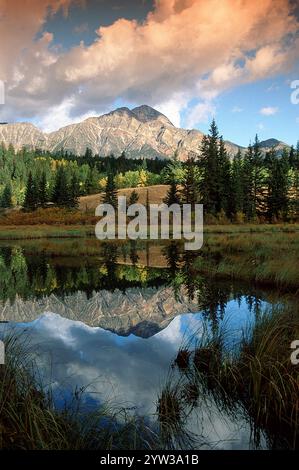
{"x": 31, "y": 194}
{"x": 6, "y": 199}
{"x": 110, "y": 194}
{"x": 61, "y": 189}
{"x": 225, "y": 181}
{"x": 134, "y": 198}
{"x": 190, "y": 184}
{"x": 248, "y": 200}
{"x": 208, "y": 164}
{"x": 258, "y": 181}
{"x": 254, "y": 181}
{"x": 172, "y": 196}
{"x": 237, "y": 189}
{"x": 74, "y": 193}
{"x": 277, "y": 187}
{"x": 42, "y": 190}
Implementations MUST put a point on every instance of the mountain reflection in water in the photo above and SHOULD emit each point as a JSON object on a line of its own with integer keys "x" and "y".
{"x": 114, "y": 322}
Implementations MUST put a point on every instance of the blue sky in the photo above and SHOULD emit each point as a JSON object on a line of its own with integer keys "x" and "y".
{"x": 239, "y": 117}
{"x": 191, "y": 59}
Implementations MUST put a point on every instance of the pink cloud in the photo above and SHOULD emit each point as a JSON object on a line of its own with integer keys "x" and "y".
{"x": 186, "y": 48}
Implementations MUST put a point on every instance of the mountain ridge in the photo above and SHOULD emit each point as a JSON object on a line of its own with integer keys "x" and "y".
{"x": 139, "y": 132}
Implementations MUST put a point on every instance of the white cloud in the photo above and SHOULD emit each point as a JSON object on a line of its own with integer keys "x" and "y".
{"x": 237, "y": 109}
{"x": 181, "y": 49}
{"x": 269, "y": 111}
{"x": 172, "y": 108}
{"x": 273, "y": 87}
{"x": 60, "y": 116}
{"x": 202, "y": 112}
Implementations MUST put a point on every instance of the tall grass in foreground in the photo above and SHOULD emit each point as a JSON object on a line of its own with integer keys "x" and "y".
{"x": 29, "y": 420}
{"x": 253, "y": 381}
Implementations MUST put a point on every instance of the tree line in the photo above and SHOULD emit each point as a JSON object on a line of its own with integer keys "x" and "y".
{"x": 33, "y": 178}
{"x": 251, "y": 186}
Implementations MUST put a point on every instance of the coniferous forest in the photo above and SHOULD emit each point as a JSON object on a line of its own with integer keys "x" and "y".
{"x": 251, "y": 185}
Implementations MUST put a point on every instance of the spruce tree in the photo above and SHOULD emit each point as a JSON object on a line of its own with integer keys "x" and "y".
{"x": 277, "y": 187}
{"x": 225, "y": 181}
{"x": 42, "y": 193}
{"x": 172, "y": 196}
{"x": 6, "y": 199}
{"x": 209, "y": 166}
{"x": 247, "y": 171}
{"x": 190, "y": 184}
{"x": 73, "y": 193}
{"x": 134, "y": 198}
{"x": 237, "y": 189}
{"x": 254, "y": 181}
{"x": 110, "y": 195}
{"x": 31, "y": 194}
{"x": 258, "y": 178}
{"x": 61, "y": 189}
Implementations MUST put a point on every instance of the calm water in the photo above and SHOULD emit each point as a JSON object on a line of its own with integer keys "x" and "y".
{"x": 114, "y": 321}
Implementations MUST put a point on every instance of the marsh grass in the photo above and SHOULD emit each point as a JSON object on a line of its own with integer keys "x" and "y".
{"x": 252, "y": 380}
{"x": 265, "y": 258}
{"x": 30, "y": 421}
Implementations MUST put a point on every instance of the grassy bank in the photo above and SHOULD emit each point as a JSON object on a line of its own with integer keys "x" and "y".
{"x": 29, "y": 232}
{"x": 262, "y": 254}
{"x": 268, "y": 257}
{"x": 253, "y": 380}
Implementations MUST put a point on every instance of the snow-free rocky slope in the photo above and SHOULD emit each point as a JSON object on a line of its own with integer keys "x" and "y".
{"x": 140, "y": 132}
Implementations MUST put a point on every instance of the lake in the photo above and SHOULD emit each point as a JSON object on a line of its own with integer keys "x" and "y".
{"x": 111, "y": 322}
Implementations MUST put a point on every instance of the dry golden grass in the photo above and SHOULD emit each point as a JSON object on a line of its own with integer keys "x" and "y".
{"x": 156, "y": 194}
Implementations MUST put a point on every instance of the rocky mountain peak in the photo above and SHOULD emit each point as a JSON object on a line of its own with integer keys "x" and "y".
{"x": 146, "y": 113}
{"x": 140, "y": 132}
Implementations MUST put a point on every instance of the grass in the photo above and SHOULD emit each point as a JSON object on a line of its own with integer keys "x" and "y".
{"x": 253, "y": 380}
{"x": 155, "y": 195}
{"x": 268, "y": 258}
{"x": 29, "y": 420}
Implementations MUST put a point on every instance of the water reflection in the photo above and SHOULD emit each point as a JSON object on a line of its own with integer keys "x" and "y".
{"x": 127, "y": 288}
{"x": 117, "y": 317}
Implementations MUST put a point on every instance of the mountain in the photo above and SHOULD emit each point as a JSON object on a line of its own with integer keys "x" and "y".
{"x": 139, "y": 311}
{"x": 275, "y": 144}
{"x": 140, "y": 132}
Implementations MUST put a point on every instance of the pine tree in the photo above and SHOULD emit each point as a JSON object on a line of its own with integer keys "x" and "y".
{"x": 172, "y": 196}
{"x": 110, "y": 195}
{"x": 6, "y": 199}
{"x": 61, "y": 189}
{"x": 225, "y": 180}
{"x": 134, "y": 198}
{"x": 277, "y": 187}
{"x": 31, "y": 194}
{"x": 190, "y": 184}
{"x": 42, "y": 193}
{"x": 209, "y": 165}
{"x": 292, "y": 157}
{"x": 237, "y": 189}
{"x": 88, "y": 153}
{"x": 248, "y": 203}
{"x": 74, "y": 193}
{"x": 254, "y": 181}
{"x": 258, "y": 180}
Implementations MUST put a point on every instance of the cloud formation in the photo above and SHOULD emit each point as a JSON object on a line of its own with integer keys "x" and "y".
{"x": 191, "y": 49}
{"x": 269, "y": 111}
